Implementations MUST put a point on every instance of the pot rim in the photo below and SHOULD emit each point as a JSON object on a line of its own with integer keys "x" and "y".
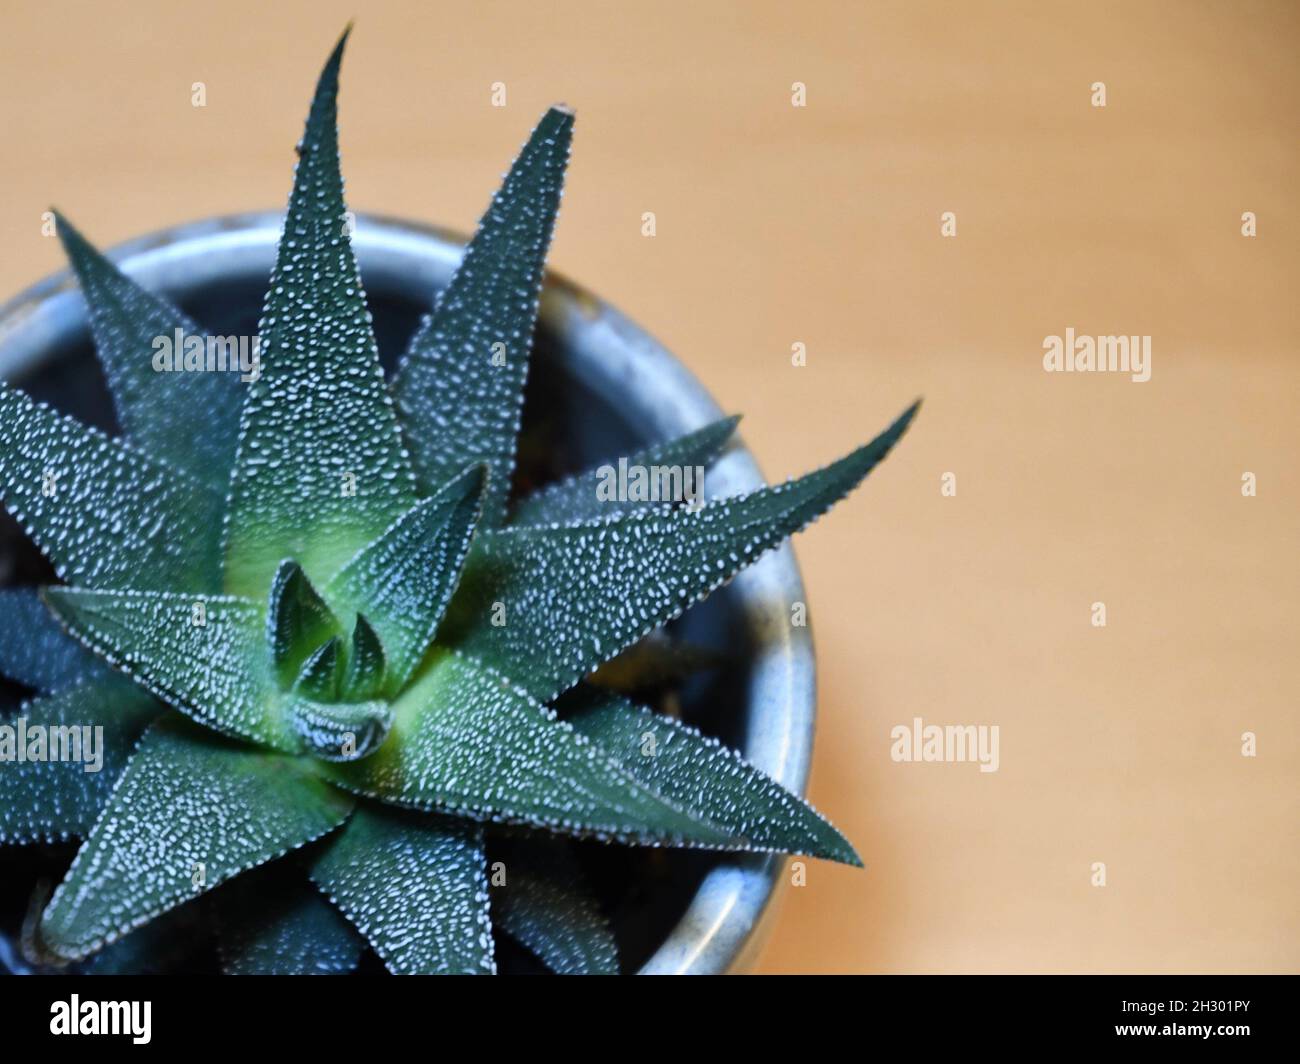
{"x": 729, "y": 915}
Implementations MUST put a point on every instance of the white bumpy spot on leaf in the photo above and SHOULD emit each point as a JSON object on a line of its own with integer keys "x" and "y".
{"x": 404, "y": 580}
{"x": 367, "y": 664}
{"x": 156, "y": 409}
{"x": 115, "y": 517}
{"x": 45, "y": 801}
{"x": 218, "y": 673}
{"x": 340, "y": 731}
{"x": 702, "y": 775}
{"x": 187, "y": 799}
{"x": 466, "y": 742}
{"x": 458, "y": 403}
{"x": 320, "y": 408}
{"x": 415, "y": 886}
{"x": 297, "y": 621}
{"x": 547, "y": 905}
{"x": 274, "y": 922}
{"x": 575, "y": 499}
{"x": 322, "y": 673}
{"x": 579, "y": 594}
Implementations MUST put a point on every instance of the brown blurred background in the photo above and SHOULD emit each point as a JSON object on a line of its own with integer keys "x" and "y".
{"x": 821, "y": 225}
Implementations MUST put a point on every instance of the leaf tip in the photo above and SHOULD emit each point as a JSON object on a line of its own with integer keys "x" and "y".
{"x": 74, "y": 244}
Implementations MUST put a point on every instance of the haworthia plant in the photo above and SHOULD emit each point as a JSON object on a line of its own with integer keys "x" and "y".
{"x": 331, "y": 658}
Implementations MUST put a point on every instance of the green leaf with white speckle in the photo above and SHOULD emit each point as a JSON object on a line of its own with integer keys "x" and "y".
{"x": 47, "y": 800}
{"x": 404, "y": 580}
{"x": 460, "y": 385}
{"x": 547, "y": 906}
{"x": 339, "y": 731}
{"x": 576, "y": 595}
{"x": 367, "y": 663}
{"x": 415, "y": 885}
{"x": 466, "y": 742}
{"x": 155, "y": 409}
{"x": 320, "y": 469}
{"x": 577, "y": 498}
{"x": 297, "y": 621}
{"x": 34, "y": 648}
{"x": 702, "y": 775}
{"x": 190, "y": 811}
{"x": 322, "y": 673}
{"x": 217, "y": 671}
{"x": 105, "y": 513}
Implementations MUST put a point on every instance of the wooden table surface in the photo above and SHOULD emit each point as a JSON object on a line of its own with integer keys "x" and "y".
{"x": 820, "y": 225}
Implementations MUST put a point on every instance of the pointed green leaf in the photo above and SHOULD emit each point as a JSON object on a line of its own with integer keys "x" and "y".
{"x": 416, "y": 886}
{"x": 405, "y": 578}
{"x": 340, "y": 731}
{"x": 216, "y": 671}
{"x": 297, "y": 621}
{"x": 460, "y": 385}
{"x": 34, "y": 648}
{"x": 106, "y": 514}
{"x": 320, "y": 469}
{"x": 577, "y": 498}
{"x": 547, "y": 905}
{"x": 576, "y": 595}
{"x": 700, "y": 774}
{"x": 364, "y": 678}
{"x": 156, "y": 409}
{"x": 467, "y": 743}
{"x": 190, "y": 811}
{"x": 322, "y": 673}
{"x": 44, "y": 800}
{"x": 273, "y": 922}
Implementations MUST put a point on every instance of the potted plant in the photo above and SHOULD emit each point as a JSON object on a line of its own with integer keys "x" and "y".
{"x": 370, "y": 673}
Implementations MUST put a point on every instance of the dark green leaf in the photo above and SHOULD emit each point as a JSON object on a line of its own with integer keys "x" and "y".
{"x": 573, "y": 596}
{"x": 106, "y": 514}
{"x": 34, "y": 648}
{"x": 366, "y": 664}
{"x": 404, "y": 580}
{"x": 217, "y": 671}
{"x": 322, "y": 673}
{"x": 701, "y": 775}
{"x": 340, "y": 731}
{"x": 157, "y": 410}
{"x": 320, "y": 470}
{"x": 460, "y": 386}
{"x": 576, "y": 499}
{"x": 467, "y": 743}
{"x": 274, "y": 922}
{"x": 44, "y": 800}
{"x": 191, "y": 811}
{"x": 546, "y": 905}
{"x": 297, "y": 621}
{"x": 415, "y": 885}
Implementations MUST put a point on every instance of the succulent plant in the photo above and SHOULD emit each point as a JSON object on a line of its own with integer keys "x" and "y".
{"x": 331, "y": 655}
